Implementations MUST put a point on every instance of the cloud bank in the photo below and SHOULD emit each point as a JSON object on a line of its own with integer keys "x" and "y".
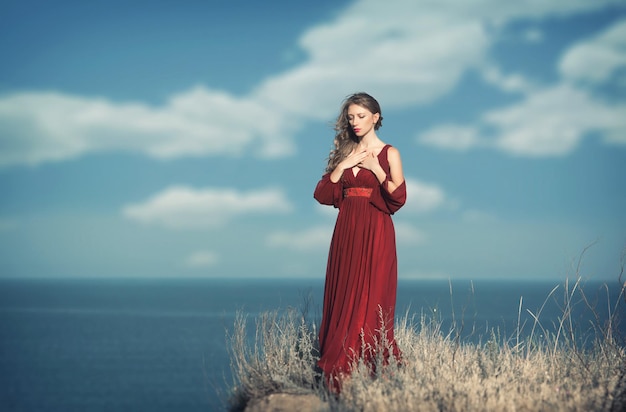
{"x": 182, "y": 207}
{"x": 43, "y": 127}
{"x": 408, "y": 52}
{"x": 551, "y": 121}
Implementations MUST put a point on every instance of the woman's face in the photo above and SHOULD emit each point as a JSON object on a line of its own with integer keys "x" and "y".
{"x": 361, "y": 119}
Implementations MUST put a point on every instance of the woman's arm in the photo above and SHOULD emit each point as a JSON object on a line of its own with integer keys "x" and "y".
{"x": 395, "y": 168}
{"x": 396, "y": 177}
{"x": 348, "y": 163}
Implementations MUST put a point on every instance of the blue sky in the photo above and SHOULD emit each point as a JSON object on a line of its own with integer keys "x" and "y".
{"x": 184, "y": 139}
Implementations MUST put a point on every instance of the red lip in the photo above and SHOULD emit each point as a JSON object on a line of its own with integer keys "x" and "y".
{"x": 356, "y": 130}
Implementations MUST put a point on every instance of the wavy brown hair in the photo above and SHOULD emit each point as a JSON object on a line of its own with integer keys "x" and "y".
{"x": 345, "y": 139}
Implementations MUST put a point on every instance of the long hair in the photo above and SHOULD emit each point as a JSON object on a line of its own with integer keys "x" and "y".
{"x": 345, "y": 139}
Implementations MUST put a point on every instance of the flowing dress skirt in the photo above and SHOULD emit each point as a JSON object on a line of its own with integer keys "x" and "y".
{"x": 361, "y": 275}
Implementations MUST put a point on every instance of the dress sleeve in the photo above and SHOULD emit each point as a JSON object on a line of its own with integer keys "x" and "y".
{"x": 389, "y": 202}
{"x": 329, "y": 193}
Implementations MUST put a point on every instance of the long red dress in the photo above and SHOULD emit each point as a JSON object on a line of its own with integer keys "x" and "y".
{"x": 361, "y": 275}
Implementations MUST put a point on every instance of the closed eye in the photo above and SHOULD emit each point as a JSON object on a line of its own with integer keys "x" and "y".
{"x": 361, "y": 116}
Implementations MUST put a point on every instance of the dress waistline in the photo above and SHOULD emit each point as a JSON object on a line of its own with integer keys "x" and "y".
{"x": 357, "y": 191}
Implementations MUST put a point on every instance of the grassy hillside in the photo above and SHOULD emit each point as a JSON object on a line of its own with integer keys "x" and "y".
{"x": 560, "y": 367}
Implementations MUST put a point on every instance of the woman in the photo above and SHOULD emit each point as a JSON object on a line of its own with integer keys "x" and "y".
{"x": 364, "y": 180}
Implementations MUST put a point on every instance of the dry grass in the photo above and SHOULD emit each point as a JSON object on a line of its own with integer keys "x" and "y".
{"x": 556, "y": 368}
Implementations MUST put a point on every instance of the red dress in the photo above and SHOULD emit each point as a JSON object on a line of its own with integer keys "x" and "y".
{"x": 361, "y": 276}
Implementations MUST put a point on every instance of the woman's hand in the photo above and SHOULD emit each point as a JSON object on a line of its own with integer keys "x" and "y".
{"x": 370, "y": 162}
{"x": 355, "y": 159}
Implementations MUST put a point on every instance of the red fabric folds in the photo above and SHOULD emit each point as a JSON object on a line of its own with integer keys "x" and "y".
{"x": 361, "y": 273}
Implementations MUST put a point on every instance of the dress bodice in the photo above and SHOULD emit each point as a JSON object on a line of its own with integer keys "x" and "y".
{"x": 365, "y": 178}
{"x": 332, "y": 193}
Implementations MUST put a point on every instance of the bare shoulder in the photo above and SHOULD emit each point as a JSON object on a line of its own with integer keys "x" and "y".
{"x": 395, "y": 165}
{"x": 393, "y": 153}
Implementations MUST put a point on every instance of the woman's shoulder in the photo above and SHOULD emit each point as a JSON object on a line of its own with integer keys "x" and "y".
{"x": 393, "y": 155}
{"x": 391, "y": 150}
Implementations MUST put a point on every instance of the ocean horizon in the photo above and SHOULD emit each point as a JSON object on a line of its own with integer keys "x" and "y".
{"x": 161, "y": 344}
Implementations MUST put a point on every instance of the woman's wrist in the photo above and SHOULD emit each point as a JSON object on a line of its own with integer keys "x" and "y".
{"x": 380, "y": 174}
{"x": 336, "y": 174}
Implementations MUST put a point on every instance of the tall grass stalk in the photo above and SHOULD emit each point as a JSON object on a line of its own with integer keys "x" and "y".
{"x": 560, "y": 367}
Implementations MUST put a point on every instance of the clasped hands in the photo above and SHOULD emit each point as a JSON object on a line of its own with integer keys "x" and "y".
{"x": 365, "y": 159}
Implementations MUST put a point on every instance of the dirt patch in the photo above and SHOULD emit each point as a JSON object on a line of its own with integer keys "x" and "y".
{"x": 283, "y": 402}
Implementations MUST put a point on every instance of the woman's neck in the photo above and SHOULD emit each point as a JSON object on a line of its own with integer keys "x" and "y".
{"x": 369, "y": 141}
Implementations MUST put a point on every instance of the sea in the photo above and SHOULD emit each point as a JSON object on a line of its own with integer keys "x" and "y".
{"x": 162, "y": 344}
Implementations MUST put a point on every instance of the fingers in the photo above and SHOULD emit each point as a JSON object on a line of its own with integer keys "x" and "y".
{"x": 358, "y": 157}
{"x": 369, "y": 161}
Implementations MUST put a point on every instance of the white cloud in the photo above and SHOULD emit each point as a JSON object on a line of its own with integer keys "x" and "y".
{"x": 408, "y": 234}
{"x": 407, "y": 57}
{"x": 202, "y": 259}
{"x": 596, "y": 59}
{"x": 424, "y": 197}
{"x": 311, "y": 239}
{"x": 181, "y": 207}
{"x": 327, "y": 211}
{"x": 41, "y": 127}
{"x": 548, "y": 122}
{"x": 510, "y": 83}
{"x": 450, "y": 136}
{"x": 552, "y": 122}
{"x": 405, "y": 52}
